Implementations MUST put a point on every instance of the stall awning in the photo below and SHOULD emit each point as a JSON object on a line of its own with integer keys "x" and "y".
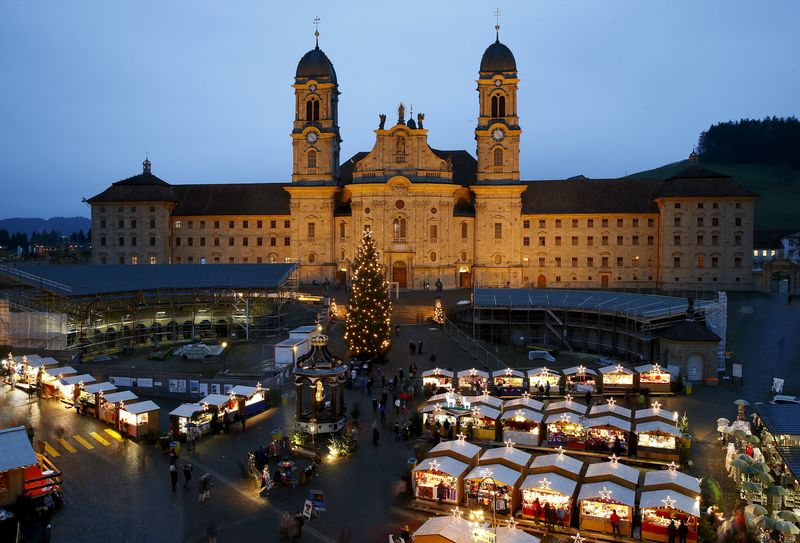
{"x": 561, "y": 461}
{"x": 15, "y": 449}
{"x": 530, "y": 403}
{"x": 498, "y": 472}
{"x": 141, "y": 407}
{"x": 661, "y": 498}
{"x": 613, "y": 469}
{"x": 565, "y": 417}
{"x": 558, "y": 483}
{"x": 610, "y": 422}
{"x": 514, "y": 456}
{"x": 791, "y": 457}
{"x": 99, "y": 387}
{"x": 657, "y": 426}
{"x": 46, "y": 362}
{"x": 613, "y": 409}
{"x": 650, "y": 413}
{"x": 675, "y": 478}
{"x": 508, "y": 372}
{"x": 462, "y": 448}
{"x": 438, "y": 372}
{"x": 430, "y": 408}
{"x": 524, "y": 413}
{"x": 244, "y": 390}
{"x": 615, "y": 369}
{"x": 121, "y": 396}
{"x": 186, "y": 410}
{"x": 564, "y": 405}
{"x": 63, "y": 370}
{"x": 75, "y": 379}
{"x": 217, "y": 400}
{"x": 445, "y": 464}
{"x": 472, "y": 372}
{"x": 598, "y": 491}
{"x": 577, "y": 369}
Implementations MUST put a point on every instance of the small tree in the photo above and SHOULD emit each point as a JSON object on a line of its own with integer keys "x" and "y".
{"x": 368, "y": 326}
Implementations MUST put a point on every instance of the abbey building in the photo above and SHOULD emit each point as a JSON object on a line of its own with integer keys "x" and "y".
{"x": 437, "y": 214}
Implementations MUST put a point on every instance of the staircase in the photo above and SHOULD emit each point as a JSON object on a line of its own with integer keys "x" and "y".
{"x": 411, "y": 314}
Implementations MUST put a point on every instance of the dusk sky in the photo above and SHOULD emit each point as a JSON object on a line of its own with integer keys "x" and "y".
{"x": 607, "y": 87}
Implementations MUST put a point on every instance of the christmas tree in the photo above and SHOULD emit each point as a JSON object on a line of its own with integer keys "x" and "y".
{"x": 368, "y": 327}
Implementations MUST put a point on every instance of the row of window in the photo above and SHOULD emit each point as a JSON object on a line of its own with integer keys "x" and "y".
{"x": 272, "y": 258}
{"x": 636, "y": 278}
{"x": 702, "y": 205}
{"x": 121, "y": 209}
{"x": 133, "y": 223}
{"x": 700, "y": 262}
{"x": 700, "y": 221}
{"x": 231, "y": 224}
{"x": 590, "y": 240}
{"x": 273, "y": 241}
{"x": 764, "y": 252}
{"x": 590, "y": 223}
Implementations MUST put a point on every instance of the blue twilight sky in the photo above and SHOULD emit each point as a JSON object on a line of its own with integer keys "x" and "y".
{"x": 608, "y": 87}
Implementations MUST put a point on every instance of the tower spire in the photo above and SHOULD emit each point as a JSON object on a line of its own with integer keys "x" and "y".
{"x": 497, "y": 23}
{"x": 316, "y": 31}
{"x": 146, "y": 164}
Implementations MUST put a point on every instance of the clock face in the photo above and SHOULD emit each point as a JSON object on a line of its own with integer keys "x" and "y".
{"x": 497, "y": 82}
{"x": 312, "y": 137}
{"x": 312, "y": 87}
{"x": 498, "y": 134}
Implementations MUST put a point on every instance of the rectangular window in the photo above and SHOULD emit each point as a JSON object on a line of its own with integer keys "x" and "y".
{"x": 700, "y": 205}
{"x": 574, "y": 261}
{"x": 676, "y": 262}
{"x": 619, "y": 262}
{"x": 604, "y": 240}
{"x": 558, "y": 262}
{"x": 526, "y": 224}
{"x": 102, "y": 210}
{"x": 216, "y": 259}
{"x": 676, "y": 221}
{"x": 190, "y": 241}
{"x": 737, "y": 221}
{"x": 152, "y": 242}
{"x": 715, "y": 262}
{"x": 177, "y": 225}
{"x": 202, "y": 225}
{"x": 651, "y": 223}
{"x": 714, "y": 239}
{"x": 700, "y": 239}
{"x": 558, "y": 223}
{"x": 676, "y": 240}
{"x": 273, "y": 241}
{"x": 245, "y": 224}
{"x": 190, "y": 224}
{"x": 558, "y": 241}
{"x": 575, "y": 241}
{"x": 190, "y": 259}
{"x": 216, "y": 224}
{"x": 541, "y": 262}
{"x": 650, "y": 240}
{"x": 287, "y": 241}
{"x": 574, "y": 223}
{"x": 231, "y": 224}
{"x": 152, "y": 223}
{"x": 133, "y": 223}
{"x": 737, "y": 239}
{"x": 434, "y": 232}
{"x": 122, "y": 242}
{"x": 620, "y": 240}
{"x": 634, "y": 240}
{"x": 715, "y": 205}
{"x": 259, "y": 260}
{"x": 677, "y": 205}
{"x": 312, "y": 230}
{"x": 121, "y": 223}
{"x": 273, "y": 224}
{"x": 604, "y": 223}
{"x": 121, "y": 259}
{"x": 216, "y": 242}
{"x": 700, "y": 221}
{"x": 245, "y": 260}
{"x": 635, "y": 223}
{"x": 153, "y": 260}
{"x": 541, "y": 241}
{"x": 714, "y": 221}
{"x": 133, "y": 242}
{"x": 542, "y": 223}
{"x": 604, "y": 261}
{"x": 202, "y": 242}
{"x": 590, "y": 223}
{"x": 498, "y": 230}
{"x": 102, "y": 241}
{"x": 738, "y": 205}
{"x": 620, "y": 223}
{"x": 259, "y": 224}
{"x": 230, "y": 260}
{"x": 177, "y": 242}
{"x": 590, "y": 240}
{"x": 737, "y": 260}
{"x": 589, "y": 262}
{"x": 526, "y": 241}
{"x": 230, "y": 242}
{"x": 287, "y": 224}
{"x": 103, "y": 223}
{"x": 260, "y": 241}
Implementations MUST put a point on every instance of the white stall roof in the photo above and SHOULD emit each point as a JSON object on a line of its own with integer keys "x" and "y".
{"x": 244, "y": 390}
{"x": 613, "y": 469}
{"x": 121, "y": 396}
{"x": 485, "y": 399}
{"x": 619, "y": 494}
{"x": 437, "y": 398}
{"x": 616, "y": 369}
{"x": 511, "y": 455}
{"x": 558, "y": 483}
{"x": 15, "y": 449}
{"x": 649, "y": 413}
{"x": 647, "y": 368}
{"x": 63, "y": 370}
{"x": 464, "y": 448}
{"x": 524, "y": 412}
{"x": 455, "y": 530}
{"x": 31, "y": 358}
{"x": 99, "y": 387}
{"x": 291, "y": 342}
{"x": 513, "y": 535}
{"x": 676, "y": 500}
{"x": 507, "y": 373}
{"x": 562, "y": 461}
{"x": 530, "y": 403}
{"x": 566, "y": 416}
{"x": 574, "y": 406}
{"x": 543, "y": 371}
{"x": 186, "y": 410}
{"x": 304, "y": 329}
{"x": 487, "y": 412}
{"x": 43, "y": 362}
{"x": 498, "y": 472}
{"x": 445, "y": 464}
{"x": 437, "y": 372}
{"x": 612, "y": 409}
{"x": 217, "y": 400}
{"x": 75, "y": 379}
{"x": 576, "y": 369}
{"x": 658, "y": 426}
{"x": 677, "y": 478}
{"x": 141, "y": 407}
{"x": 613, "y": 422}
{"x": 476, "y": 372}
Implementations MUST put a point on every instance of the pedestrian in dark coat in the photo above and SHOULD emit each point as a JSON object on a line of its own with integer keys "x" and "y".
{"x": 672, "y": 531}
{"x": 187, "y": 474}
{"x": 419, "y": 346}
{"x": 376, "y": 434}
{"x": 173, "y": 476}
{"x": 683, "y": 531}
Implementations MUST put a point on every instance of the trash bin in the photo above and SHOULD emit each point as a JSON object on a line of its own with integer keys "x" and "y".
{"x": 285, "y": 399}
{"x": 411, "y": 463}
{"x": 688, "y": 389}
{"x": 686, "y": 441}
{"x": 277, "y": 434}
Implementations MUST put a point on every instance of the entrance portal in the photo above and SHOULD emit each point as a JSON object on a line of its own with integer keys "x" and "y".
{"x": 541, "y": 282}
{"x": 464, "y": 279}
{"x": 604, "y": 281}
{"x": 341, "y": 278}
{"x": 400, "y": 274}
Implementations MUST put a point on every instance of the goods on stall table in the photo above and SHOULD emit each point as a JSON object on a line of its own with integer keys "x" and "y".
{"x": 427, "y": 484}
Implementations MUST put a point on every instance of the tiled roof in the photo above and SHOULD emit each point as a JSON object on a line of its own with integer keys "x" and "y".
{"x": 581, "y": 195}
{"x": 689, "y": 330}
{"x": 699, "y": 181}
{"x": 232, "y": 199}
{"x": 144, "y": 187}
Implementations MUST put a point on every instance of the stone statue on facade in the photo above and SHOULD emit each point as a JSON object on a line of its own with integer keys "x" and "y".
{"x": 401, "y": 114}
{"x": 382, "y": 117}
{"x": 420, "y": 118}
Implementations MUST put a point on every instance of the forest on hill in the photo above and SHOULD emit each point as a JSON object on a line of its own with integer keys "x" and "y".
{"x": 772, "y": 141}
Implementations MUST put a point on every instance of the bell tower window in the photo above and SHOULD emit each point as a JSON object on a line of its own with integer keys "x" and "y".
{"x": 498, "y": 105}
{"x": 312, "y": 159}
{"x": 312, "y": 110}
{"x": 498, "y": 158}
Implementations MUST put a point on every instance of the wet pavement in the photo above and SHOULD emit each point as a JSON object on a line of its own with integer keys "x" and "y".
{"x": 120, "y": 491}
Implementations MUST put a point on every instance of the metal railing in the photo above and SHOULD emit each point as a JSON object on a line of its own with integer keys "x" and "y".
{"x": 35, "y": 279}
{"x": 470, "y": 345}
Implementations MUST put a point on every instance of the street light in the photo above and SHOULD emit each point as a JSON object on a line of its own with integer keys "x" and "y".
{"x": 479, "y": 531}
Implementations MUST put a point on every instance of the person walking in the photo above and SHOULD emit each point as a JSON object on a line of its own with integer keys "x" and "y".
{"x": 419, "y": 346}
{"x": 298, "y": 525}
{"x": 187, "y": 474}
{"x": 190, "y": 438}
{"x": 683, "y": 531}
{"x": 374, "y": 405}
{"x": 672, "y": 531}
{"x": 376, "y": 434}
{"x": 614, "y": 518}
{"x": 205, "y": 488}
{"x": 547, "y": 389}
{"x": 173, "y": 476}
{"x": 286, "y": 524}
{"x": 383, "y": 412}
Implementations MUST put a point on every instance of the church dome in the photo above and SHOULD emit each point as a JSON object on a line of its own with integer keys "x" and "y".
{"x": 315, "y": 65}
{"x": 498, "y": 58}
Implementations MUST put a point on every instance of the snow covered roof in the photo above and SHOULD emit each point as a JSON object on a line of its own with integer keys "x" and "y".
{"x": 244, "y": 390}
{"x": 63, "y": 370}
{"x": 530, "y": 403}
{"x": 618, "y": 493}
{"x": 445, "y": 464}
{"x": 558, "y": 483}
{"x": 512, "y": 455}
{"x": 498, "y": 472}
{"x": 563, "y": 405}
{"x": 613, "y": 469}
{"x": 611, "y": 421}
{"x": 661, "y": 498}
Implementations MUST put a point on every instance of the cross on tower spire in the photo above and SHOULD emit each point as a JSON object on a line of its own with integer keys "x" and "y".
{"x": 316, "y": 31}
{"x": 497, "y": 22}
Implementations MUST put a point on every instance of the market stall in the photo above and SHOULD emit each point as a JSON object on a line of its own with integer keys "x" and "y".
{"x": 508, "y": 382}
{"x": 190, "y": 415}
{"x": 656, "y": 413}
{"x": 660, "y": 507}
{"x": 110, "y": 404}
{"x": 24, "y": 474}
{"x": 658, "y": 440}
{"x": 30, "y": 370}
{"x": 140, "y": 418}
{"x": 460, "y": 449}
{"x": 92, "y": 395}
{"x": 522, "y": 426}
{"x": 566, "y": 430}
{"x": 51, "y": 376}
{"x": 552, "y": 489}
{"x": 655, "y": 378}
{"x": 616, "y": 379}
{"x": 610, "y": 408}
{"x": 222, "y": 405}
{"x": 437, "y": 413}
{"x": 252, "y": 400}
{"x": 524, "y": 401}
{"x": 509, "y": 456}
{"x": 68, "y": 388}
{"x": 480, "y": 422}
{"x": 439, "y": 478}
{"x": 598, "y": 501}
{"x": 580, "y": 379}
{"x": 485, "y": 399}
{"x": 608, "y": 434}
{"x": 437, "y": 380}
{"x": 472, "y": 381}
{"x": 493, "y": 485}
{"x": 543, "y": 376}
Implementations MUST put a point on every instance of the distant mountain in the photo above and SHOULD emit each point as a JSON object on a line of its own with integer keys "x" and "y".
{"x": 777, "y": 186}
{"x": 65, "y": 225}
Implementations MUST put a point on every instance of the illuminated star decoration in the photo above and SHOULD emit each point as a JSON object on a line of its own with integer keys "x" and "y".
{"x": 457, "y": 513}
{"x": 526, "y": 395}
{"x": 568, "y": 398}
{"x": 512, "y": 523}
{"x": 673, "y": 468}
{"x": 560, "y": 451}
{"x": 461, "y": 438}
{"x": 611, "y": 402}
{"x": 476, "y": 412}
{"x": 437, "y": 409}
{"x": 519, "y": 416}
{"x": 657, "y": 368}
{"x": 473, "y": 372}
{"x": 436, "y": 371}
{"x": 577, "y": 538}
{"x": 544, "y": 484}
{"x": 565, "y": 417}
{"x": 581, "y": 370}
{"x": 605, "y": 494}
{"x": 668, "y": 502}
{"x": 614, "y": 459}
{"x": 656, "y": 406}
{"x": 619, "y": 368}
{"x": 509, "y": 443}
{"x": 509, "y": 372}
{"x": 545, "y": 371}
{"x": 434, "y": 465}
{"x": 485, "y": 472}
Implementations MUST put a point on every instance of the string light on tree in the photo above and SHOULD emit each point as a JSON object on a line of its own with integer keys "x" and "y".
{"x": 438, "y": 311}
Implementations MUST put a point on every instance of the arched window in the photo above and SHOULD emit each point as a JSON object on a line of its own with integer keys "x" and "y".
{"x": 273, "y": 258}
{"x": 699, "y": 261}
{"x": 498, "y": 105}
{"x": 399, "y": 229}
{"x": 311, "y": 258}
{"x": 498, "y": 157}
{"x": 464, "y": 230}
{"x": 312, "y": 159}
{"x": 494, "y": 106}
{"x": 401, "y": 145}
{"x": 312, "y": 109}
{"x": 341, "y": 230}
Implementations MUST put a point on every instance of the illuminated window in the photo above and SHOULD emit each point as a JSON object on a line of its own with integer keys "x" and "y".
{"x": 153, "y": 260}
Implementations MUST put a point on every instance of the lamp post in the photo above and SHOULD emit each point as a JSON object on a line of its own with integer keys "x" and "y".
{"x": 479, "y": 532}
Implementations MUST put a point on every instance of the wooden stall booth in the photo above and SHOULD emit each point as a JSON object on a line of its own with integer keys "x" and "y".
{"x": 493, "y": 486}
{"x": 658, "y": 440}
{"x": 616, "y": 379}
{"x": 524, "y": 401}
{"x": 655, "y": 378}
{"x": 522, "y": 426}
{"x": 460, "y": 449}
{"x": 669, "y": 496}
{"x": 456, "y": 529}
{"x": 219, "y": 404}
{"x": 552, "y": 481}
{"x": 437, "y": 380}
{"x": 92, "y": 396}
{"x": 23, "y": 473}
{"x": 187, "y": 414}
{"x": 480, "y": 423}
{"x": 251, "y": 400}
{"x": 508, "y": 382}
{"x": 51, "y": 377}
{"x": 68, "y": 389}
{"x": 542, "y": 377}
{"x": 580, "y": 379}
{"x": 439, "y": 478}
{"x": 608, "y": 487}
{"x": 111, "y": 403}
{"x": 140, "y": 418}
{"x": 608, "y": 434}
{"x": 564, "y": 422}
{"x": 472, "y": 381}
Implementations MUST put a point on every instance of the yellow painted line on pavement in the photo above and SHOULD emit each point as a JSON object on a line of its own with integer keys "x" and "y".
{"x": 50, "y": 450}
{"x": 114, "y": 434}
{"x": 99, "y": 438}
{"x": 66, "y": 444}
{"x": 83, "y": 442}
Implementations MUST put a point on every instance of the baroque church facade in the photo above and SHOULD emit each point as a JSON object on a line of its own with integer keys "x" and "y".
{"x": 438, "y": 214}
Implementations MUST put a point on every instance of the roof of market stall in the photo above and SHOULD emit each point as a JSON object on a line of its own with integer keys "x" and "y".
{"x": 458, "y": 446}
{"x": 667, "y": 477}
{"x": 779, "y": 419}
{"x": 103, "y": 387}
{"x": 618, "y": 493}
{"x": 566, "y": 417}
{"x": 506, "y": 534}
{"x": 616, "y": 369}
{"x": 47, "y": 362}
{"x": 650, "y": 413}
{"x": 574, "y": 406}
{"x": 578, "y": 369}
{"x": 508, "y": 372}
{"x": 606, "y": 409}
{"x": 447, "y": 527}
{"x": 659, "y": 427}
{"x": 63, "y": 370}
{"x": 472, "y": 373}
{"x": 15, "y": 449}
{"x": 186, "y": 410}
{"x": 445, "y": 464}
{"x": 543, "y": 371}
{"x": 524, "y": 412}
{"x": 530, "y": 403}
{"x": 217, "y": 400}
{"x": 558, "y": 483}
{"x": 561, "y": 461}
{"x": 613, "y": 469}
{"x": 609, "y": 421}
{"x": 121, "y": 396}
{"x": 485, "y": 399}
{"x": 650, "y": 368}
{"x": 484, "y": 411}
{"x": 244, "y": 390}
{"x": 660, "y": 498}
{"x": 438, "y": 372}
{"x": 512, "y": 455}
{"x": 498, "y": 472}
{"x": 75, "y": 379}
{"x": 141, "y": 407}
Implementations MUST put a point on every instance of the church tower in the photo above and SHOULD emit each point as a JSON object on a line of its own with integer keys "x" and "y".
{"x": 315, "y": 134}
{"x": 498, "y": 131}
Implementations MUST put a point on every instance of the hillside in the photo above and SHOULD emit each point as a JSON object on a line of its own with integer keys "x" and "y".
{"x": 779, "y": 188}
{"x": 65, "y": 225}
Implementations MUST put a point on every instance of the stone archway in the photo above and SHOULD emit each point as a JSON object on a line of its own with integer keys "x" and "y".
{"x": 400, "y": 273}
{"x": 541, "y": 282}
